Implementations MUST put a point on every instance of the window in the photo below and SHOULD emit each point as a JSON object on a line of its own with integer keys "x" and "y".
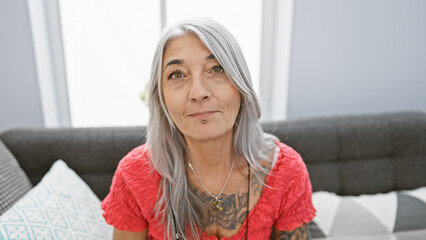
{"x": 108, "y": 50}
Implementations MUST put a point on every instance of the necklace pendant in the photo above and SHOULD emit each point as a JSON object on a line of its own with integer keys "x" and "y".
{"x": 216, "y": 205}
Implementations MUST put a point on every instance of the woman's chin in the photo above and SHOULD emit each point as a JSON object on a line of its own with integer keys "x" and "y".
{"x": 207, "y": 133}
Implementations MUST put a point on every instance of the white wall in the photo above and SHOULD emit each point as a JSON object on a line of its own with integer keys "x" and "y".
{"x": 357, "y": 56}
{"x": 19, "y": 92}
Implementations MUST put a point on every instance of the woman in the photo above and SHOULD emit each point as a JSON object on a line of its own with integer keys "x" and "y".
{"x": 207, "y": 170}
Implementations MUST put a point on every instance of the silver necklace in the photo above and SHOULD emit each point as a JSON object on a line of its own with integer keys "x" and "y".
{"x": 215, "y": 204}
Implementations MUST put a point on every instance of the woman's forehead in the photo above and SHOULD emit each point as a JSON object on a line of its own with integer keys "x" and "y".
{"x": 184, "y": 47}
{"x": 182, "y": 43}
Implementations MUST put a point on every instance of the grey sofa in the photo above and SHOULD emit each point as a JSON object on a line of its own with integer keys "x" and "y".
{"x": 347, "y": 155}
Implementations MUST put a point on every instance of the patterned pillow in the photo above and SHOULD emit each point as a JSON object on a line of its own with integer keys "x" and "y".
{"x": 61, "y": 207}
{"x": 394, "y": 216}
{"x": 13, "y": 182}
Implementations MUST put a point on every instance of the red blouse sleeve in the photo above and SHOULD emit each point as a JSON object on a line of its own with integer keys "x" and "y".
{"x": 120, "y": 207}
{"x": 296, "y": 204}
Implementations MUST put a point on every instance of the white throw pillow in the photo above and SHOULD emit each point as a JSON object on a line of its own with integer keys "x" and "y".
{"x": 61, "y": 206}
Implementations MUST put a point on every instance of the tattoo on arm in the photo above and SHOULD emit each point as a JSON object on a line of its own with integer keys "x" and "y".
{"x": 300, "y": 233}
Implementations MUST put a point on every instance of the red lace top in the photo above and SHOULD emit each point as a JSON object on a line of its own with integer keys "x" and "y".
{"x": 286, "y": 204}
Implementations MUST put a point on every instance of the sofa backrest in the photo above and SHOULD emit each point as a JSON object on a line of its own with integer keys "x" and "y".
{"x": 363, "y": 154}
{"x": 348, "y": 155}
{"x": 93, "y": 153}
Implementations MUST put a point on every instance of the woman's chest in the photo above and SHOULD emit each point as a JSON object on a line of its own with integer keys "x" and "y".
{"x": 229, "y": 221}
{"x": 227, "y": 216}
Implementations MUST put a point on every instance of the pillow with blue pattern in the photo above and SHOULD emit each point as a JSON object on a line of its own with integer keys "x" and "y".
{"x": 61, "y": 206}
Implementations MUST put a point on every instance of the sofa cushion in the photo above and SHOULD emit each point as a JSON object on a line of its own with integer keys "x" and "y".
{"x": 377, "y": 216}
{"x": 13, "y": 181}
{"x": 61, "y": 207}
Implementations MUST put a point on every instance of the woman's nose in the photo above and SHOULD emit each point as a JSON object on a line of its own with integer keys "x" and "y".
{"x": 199, "y": 91}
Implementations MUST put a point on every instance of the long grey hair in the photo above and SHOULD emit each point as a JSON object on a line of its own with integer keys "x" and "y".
{"x": 177, "y": 206}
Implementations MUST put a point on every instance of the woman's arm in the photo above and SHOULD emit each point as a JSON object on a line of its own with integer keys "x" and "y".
{"x": 300, "y": 233}
{"x": 127, "y": 235}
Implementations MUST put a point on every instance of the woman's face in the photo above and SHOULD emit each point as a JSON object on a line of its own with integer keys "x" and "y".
{"x": 200, "y": 98}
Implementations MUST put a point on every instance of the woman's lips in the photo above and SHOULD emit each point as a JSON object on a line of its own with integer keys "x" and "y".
{"x": 201, "y": 115}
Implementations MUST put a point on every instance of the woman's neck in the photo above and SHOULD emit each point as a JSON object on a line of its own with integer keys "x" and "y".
{"x": 213, "y": 156}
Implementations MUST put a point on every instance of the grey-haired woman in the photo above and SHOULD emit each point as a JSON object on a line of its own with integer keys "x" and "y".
{"x": 207, "y": 170}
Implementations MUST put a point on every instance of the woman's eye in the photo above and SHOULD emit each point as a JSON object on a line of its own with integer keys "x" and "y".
{"x": 217, "y": 69}
{"x": 176, "y": 75}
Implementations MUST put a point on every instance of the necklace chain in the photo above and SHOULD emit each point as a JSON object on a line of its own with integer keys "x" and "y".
{"x": 215, "y": 197}
{"x": 202, "y": 184}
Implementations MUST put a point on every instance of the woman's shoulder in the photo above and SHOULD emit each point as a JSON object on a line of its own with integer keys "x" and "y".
{"x": 289, "y": 164}
{"x": 133, "y": 192}
{"x": 137, "y": 158}
{"x": 291, "y": 190}
{"x": 136, "y": 166}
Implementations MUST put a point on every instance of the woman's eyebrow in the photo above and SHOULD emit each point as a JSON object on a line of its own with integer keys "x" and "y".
{"x": 180, "y": 61}
{"x": 210, "y": 57}
{"x": 173, "y": 62}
